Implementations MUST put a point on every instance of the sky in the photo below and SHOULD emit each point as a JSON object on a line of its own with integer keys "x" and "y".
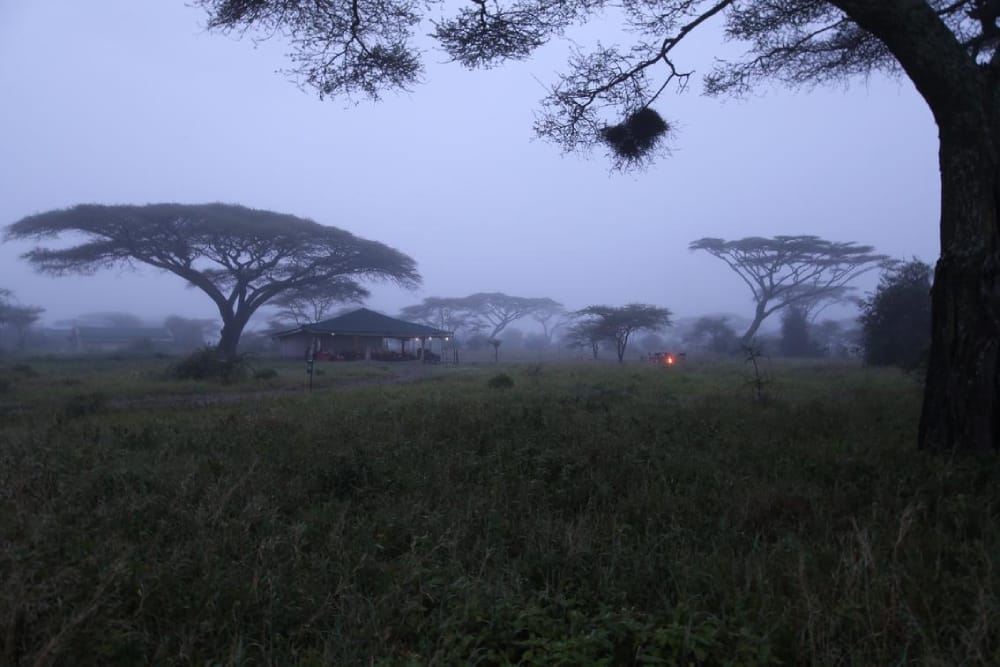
{"x": 126, "y": 102}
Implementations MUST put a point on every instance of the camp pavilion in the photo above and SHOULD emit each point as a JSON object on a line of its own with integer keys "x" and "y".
{"x": 363, "y": 334}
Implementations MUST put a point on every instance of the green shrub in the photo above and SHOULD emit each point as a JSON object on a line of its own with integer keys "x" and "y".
{"x": 206, "y": 364}
{"x": 500, "y": 381}
{"x": 24, "y": 369}
{"x": 265, "y": 374}
{"x": 83, "y": 405}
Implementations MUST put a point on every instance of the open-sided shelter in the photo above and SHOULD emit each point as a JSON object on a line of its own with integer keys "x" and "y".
{"x": 360, "y": 334}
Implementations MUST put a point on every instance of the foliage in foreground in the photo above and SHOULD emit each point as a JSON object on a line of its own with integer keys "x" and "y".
{"x": 581, "y": 516}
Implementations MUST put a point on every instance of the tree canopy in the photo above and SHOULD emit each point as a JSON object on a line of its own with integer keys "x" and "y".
{"x": 896, "y": 319}
{"x": 713, "y": 335}
{"x": 617, "y": 324}
{"x": 316, "y": 302}
{"x": 364, "y": 48}
{"x": 948, "y": 49}
{"x": 17, "y": 318}
{"x": 241, "y": 258}
{"x": 488, "y": 313}
{"x": 786, "y": 271}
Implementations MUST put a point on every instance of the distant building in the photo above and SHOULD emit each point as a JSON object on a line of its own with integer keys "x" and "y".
{"x": 359, "y": 334}
{"x": 116, "y": 339}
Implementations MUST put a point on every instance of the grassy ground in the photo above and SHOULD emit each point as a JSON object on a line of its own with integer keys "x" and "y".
{"x": 587, "y": 514}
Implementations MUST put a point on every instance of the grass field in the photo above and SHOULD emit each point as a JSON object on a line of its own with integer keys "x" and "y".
{"x": 587, "y": 514}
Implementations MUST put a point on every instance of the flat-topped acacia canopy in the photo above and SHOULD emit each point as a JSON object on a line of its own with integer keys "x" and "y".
{"x": 240, "y": 257}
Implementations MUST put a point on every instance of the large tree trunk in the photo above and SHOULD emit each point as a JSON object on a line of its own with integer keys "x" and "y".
{"x": 962, "y": 396}
{"x": 758, "y": 318}
{"x": 229, "y": 337}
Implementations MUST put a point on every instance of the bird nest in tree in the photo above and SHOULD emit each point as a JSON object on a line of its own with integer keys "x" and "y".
{"x": 637, "y": 136}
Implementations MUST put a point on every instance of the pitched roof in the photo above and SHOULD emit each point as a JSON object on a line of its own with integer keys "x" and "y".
{"x": 364, "y": 322}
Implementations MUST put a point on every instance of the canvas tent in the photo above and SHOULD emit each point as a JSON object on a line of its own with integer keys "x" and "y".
{"x": 359, "y": 334}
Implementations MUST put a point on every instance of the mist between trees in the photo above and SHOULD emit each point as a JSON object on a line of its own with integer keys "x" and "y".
{"x": 302, "y": 272}
{"x": 605, "y": 98}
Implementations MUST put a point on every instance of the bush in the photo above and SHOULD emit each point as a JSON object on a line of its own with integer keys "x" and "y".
{"x": 206, "y": 364}
{"x": 83, "y": 405}
{"x": 500, "y": 381}
{"x": 896, "y": 319}
{"x": 265, "y": 374}
{"x": 24, "y": 369}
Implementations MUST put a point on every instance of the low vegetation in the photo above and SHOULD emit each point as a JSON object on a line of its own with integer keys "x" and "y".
{"x": 586, "y": 514}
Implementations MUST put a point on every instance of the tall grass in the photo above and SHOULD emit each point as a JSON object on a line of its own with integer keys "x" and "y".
{"x": 583, "y": 515}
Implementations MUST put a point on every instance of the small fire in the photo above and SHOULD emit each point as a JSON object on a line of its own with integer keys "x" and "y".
{"x": 670, "y": 360}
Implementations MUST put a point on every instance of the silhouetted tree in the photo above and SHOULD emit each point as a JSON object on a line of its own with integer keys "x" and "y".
{"x": 551, "y": 315}
{"x": 495, "y": 343}
{"x": 317, "y": 302}
{"x": 712, "y": 334}
{"x": 947, "y": 48}
{"x": 446, "y": 314}
{"x": 586, "y": 335}
{"x": 241, "y": 258}
{"x": 795, "y": 336}
{"x": 896, "y": 319}
{"x": 493, "y": 311}
{"x": 618, "y": 323}
{"x": 788, "y": 270}
{"x": 16, "y": 318}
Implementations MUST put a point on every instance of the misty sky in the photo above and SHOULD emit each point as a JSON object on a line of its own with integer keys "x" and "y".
{"x": 119, "y": 101}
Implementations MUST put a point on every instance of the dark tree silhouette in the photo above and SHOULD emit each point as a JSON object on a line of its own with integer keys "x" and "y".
{"x": 317, "y": 302}
{"x": 896, "y": 319}
{"x": 948, "y": 49}
{"x": 447, "y": 314}
{"x": 714, "y": 335}
{"x": 493, "y": 311}
{"x": 488, "y": 313}
{"x": 17, "y": 318}
{"x": 796, "y": 339}
{"x": 241, "y": 258}
{"x": 618, "y": 323}
{"x": 585, "y": 334}
{"x": 790, "y": 270}
{"x": 551, "y": 315}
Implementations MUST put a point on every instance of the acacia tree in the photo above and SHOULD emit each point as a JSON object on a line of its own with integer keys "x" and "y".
{"x": 493, "y": 311}
{"x": 446, "y": 314}
{"x": 552, "y": 316}
{"x": 787, "y": 271}
{"x": 241, "y": 258}
{"x": 315, "y": 302}
{"x": 17, "y": 318}
{"x": 948, "y": 49}
{"x": 585, "y": 334}
{"x": 714, "y": 335}
{"x": 618, "y": 323}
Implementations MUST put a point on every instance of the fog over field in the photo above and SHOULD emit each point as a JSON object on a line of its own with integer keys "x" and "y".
{"x": 124, "y": 102}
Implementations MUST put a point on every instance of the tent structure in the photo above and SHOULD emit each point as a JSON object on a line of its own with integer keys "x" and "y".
{"x": 360, "y": 334}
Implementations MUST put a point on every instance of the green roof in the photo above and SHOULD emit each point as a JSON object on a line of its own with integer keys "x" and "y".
{"x": 364, "y": 322}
